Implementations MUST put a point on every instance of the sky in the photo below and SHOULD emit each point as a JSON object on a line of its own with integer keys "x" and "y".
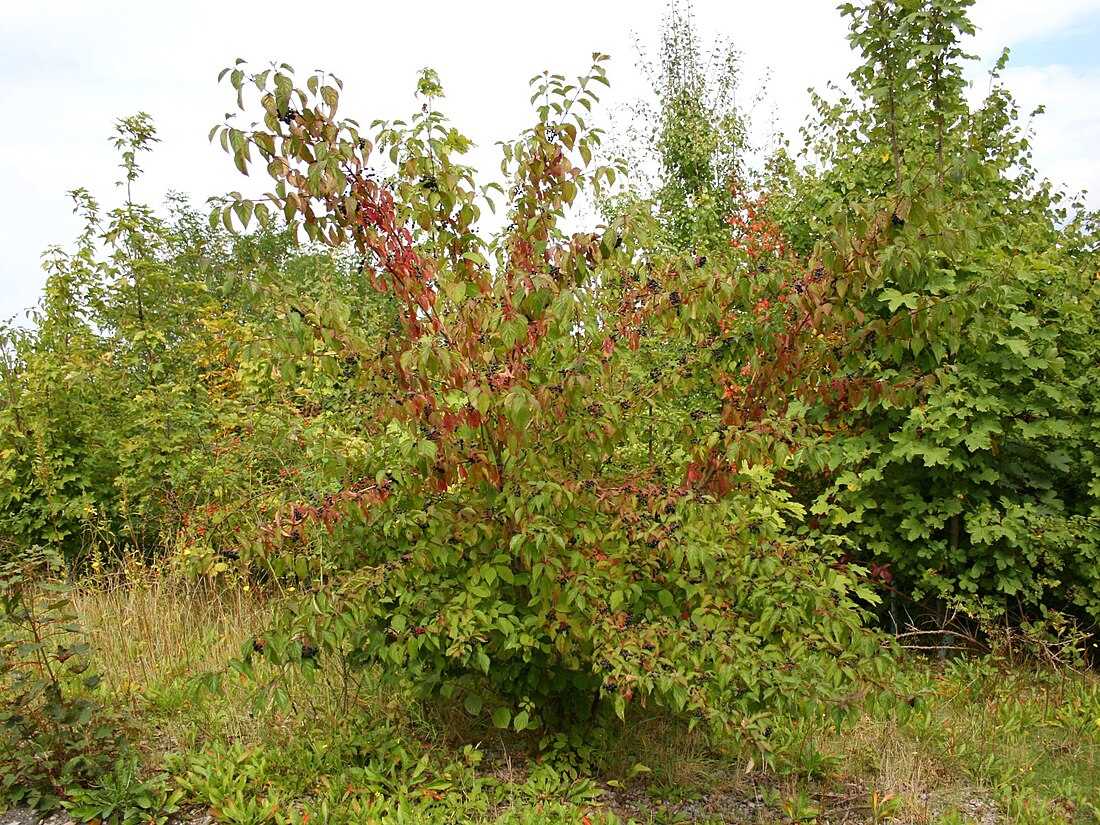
{"x": 70, "y": 68}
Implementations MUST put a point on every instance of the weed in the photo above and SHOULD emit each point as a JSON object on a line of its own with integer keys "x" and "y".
{"x": 884, "y": 807}
{"x": 53, "y": 734}
{"x": 120, "y": 797}
{"x": 1024, "y": 742}
{"x": 547, "y": 783}
{"x": 672, "y": 794}
{"x": 800, "y": 808}
{"x": 222, "y": 777}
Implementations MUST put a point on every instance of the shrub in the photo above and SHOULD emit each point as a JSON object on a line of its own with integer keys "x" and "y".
{"x": 519, "y": 533}
{"x": 53, "y": 733}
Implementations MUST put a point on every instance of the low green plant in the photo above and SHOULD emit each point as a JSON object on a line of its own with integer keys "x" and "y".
{"x": 884, "y": 807}
{"x": 555, "y": 814}
{"x": 247, "y": 809}
{"x": 54, "y": 734}
{"x": 232, "y": 781}
{"x": 803, "y": 756}
{"x": 672, "y": 793}
{"x": 800, "y": 808}
{"x": 395, "y": 771}
{"x": 1022, "y": 808}
{"x": 219, "y": 773}
{"x": 667, "y": 816}
{"x": 547, "y": 783}
{"x": 121, "y": 797}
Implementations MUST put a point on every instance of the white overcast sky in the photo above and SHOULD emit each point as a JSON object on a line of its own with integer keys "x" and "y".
{"x": 70, "y": 68}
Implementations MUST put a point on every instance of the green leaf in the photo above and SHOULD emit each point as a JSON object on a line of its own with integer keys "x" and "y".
{"x": 427, "y": 449}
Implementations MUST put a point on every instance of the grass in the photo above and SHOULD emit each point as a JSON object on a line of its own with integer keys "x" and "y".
{"x": 1021, "y": 744}
{"x": 161, "y": 629}
{"x": 984, "y": 742}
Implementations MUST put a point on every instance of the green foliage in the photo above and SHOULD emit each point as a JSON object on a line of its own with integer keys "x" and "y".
{"x": 103, "y": 397}
{"x": 350, "y": 778}
{"x": 699, "y": 134}
{"x": 518, "y": 537}
{"x": 230, "y": 780}
{"x": 961, "y": 309}
{"x": 692, "y": 133}
{"x": 127, "y": 414}
{"x": 799, "y": 807}
{"x": 553, "y": 477}
{"x": 121, "y": 797}
{"x": 53, "y": 733}
{"x": 980, "y": 731}
{"x": 912, "y": 73}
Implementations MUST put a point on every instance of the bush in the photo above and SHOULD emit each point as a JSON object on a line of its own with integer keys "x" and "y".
{"x": 518, "y": 532}
{"x": 53, "y": 733}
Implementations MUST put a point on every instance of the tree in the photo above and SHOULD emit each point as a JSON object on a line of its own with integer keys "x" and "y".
{"x": 961, "y": 303}
{"x": 692, "y": 135}
{"x": 123, "y": 411}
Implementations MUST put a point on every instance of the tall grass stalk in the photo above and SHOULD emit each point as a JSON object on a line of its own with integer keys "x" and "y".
{"x": 150, "y": 628}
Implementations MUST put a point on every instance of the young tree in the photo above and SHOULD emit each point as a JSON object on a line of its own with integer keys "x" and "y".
{"x": 690, "y": 136}
{"x": 962, "y": 300}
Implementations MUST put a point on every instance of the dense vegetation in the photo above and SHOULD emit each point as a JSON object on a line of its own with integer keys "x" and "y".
{"x": 696, "y": 459}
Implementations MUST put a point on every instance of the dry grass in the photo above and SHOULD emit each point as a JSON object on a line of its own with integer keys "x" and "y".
{"x": 149, "y": 629}
{"x": 988, "y": 740}
{"x": 153, "y": 635}
{"x": 878, "y": 755}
